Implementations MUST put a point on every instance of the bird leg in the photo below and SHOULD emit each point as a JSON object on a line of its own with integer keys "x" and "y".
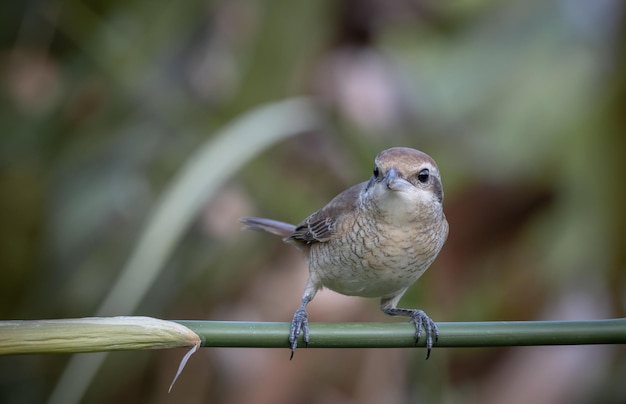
{"x": 418, "y": 317}
{"x": 300, "y": 322}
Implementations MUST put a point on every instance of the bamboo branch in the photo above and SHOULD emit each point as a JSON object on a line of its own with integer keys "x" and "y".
{"x": 397, "y": 335}
{"x": 101, "y": 334}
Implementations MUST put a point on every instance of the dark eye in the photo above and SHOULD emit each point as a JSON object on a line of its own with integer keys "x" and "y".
{"x": 423, "y": 176}
{"x": 376, "y": 171}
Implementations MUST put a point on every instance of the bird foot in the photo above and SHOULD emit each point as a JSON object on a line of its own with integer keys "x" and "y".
{"x": 420, "y": 319}
{"x": 299, "y": 324}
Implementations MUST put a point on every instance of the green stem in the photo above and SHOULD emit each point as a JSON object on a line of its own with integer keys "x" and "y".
{"x": 134, "y": 333}
{"x": 394, "y": 335}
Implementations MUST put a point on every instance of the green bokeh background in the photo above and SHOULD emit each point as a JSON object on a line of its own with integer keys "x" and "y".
{"x": 520, "y": 102}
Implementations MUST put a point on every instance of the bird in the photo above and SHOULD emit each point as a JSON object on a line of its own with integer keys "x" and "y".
{"x": 375, "y": 239}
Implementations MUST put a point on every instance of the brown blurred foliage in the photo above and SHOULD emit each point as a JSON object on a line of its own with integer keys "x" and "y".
{"x": 520, "y": 103}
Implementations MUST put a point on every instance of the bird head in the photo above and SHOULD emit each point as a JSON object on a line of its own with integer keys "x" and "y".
{"x": 405, "y": 184}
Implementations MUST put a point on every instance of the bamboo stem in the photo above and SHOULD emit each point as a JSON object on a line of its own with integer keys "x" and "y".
{"x": 134, "y": 333}
{"x": 394, "y": 335}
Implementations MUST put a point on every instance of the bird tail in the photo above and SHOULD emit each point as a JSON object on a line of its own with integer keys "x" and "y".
{"x": 271, "y": 226}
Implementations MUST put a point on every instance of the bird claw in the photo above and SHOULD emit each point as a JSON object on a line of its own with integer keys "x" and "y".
{"x": 299, "y": 324}
{"x": 419, "y": 318}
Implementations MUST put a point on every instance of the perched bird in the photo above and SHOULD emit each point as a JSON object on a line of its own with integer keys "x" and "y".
{"x": 373, "y": 239}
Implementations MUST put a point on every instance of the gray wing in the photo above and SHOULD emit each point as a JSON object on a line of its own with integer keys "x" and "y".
{"x": 320, "y": 226}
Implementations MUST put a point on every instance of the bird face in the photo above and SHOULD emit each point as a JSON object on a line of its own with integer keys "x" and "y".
{"x": 405, "y": 184}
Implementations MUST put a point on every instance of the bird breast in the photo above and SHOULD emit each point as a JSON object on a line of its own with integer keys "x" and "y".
{"x": 374, "y": 258}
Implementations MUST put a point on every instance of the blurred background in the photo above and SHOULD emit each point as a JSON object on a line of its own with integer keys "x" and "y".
{"x": 521, "y": 103}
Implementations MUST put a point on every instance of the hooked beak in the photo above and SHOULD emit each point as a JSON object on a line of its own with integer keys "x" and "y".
{"x": 394, "y": 182}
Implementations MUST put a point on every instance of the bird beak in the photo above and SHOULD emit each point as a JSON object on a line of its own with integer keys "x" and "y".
{"x": 394, "y": 182}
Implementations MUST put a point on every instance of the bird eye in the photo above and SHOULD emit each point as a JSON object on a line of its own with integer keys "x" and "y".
{"x": 376, "y": 171}
{"x": 423, "y": 176}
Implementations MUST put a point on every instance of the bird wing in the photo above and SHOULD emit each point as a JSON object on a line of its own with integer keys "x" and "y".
{"x": 320, "y": 226}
